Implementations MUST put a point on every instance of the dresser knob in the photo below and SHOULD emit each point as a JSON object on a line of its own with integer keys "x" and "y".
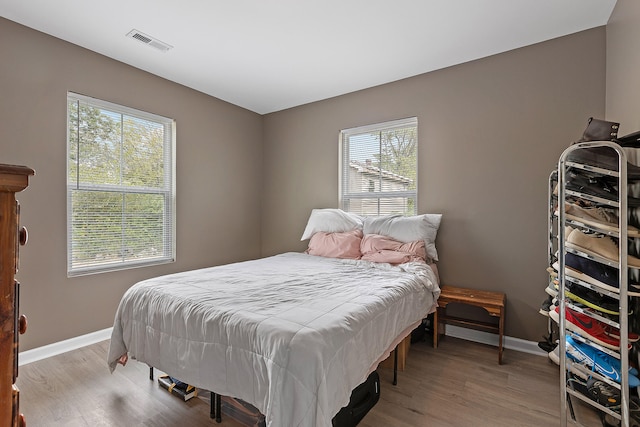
{"x": 22, "y": 324}
{"x": 23, "y": 236}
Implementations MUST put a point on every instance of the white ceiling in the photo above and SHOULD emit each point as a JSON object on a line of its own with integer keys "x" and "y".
{"x": 269, "y": 55}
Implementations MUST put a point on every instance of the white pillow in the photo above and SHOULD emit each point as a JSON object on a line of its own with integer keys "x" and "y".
{"x": 331, "y": 221}
{"x": 407, "y": 229}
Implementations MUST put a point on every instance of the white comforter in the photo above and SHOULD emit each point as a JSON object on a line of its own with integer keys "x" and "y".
{"x": 292, "y": 334}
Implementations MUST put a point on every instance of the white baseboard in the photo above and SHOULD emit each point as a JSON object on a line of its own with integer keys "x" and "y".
{"x": 492, "y": 339}
{"x": 50, "y": 350}
{"x": 60, "y": 347}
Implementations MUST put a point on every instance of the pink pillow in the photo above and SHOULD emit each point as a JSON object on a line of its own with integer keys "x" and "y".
{"x": 377, "y": 248}
{"x": 336, "y": 245}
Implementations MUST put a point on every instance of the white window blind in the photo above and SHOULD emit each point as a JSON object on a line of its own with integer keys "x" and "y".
{"x": 120, "y": 187}
{"x": 379, "y": 168}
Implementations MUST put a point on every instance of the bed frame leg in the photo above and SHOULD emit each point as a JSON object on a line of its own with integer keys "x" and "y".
{"x": 212, "y": 408}
{"x": 218, "y": 409}
{"x": 395, "y": 366}
{"x": 215, "y": 411}
{"x": 151, "y": 373}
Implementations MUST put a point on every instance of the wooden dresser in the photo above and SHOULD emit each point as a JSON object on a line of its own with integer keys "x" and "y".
{"x": 12, "y": 180}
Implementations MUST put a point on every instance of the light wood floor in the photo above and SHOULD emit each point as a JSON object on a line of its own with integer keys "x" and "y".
{"x": 459, "y": 384}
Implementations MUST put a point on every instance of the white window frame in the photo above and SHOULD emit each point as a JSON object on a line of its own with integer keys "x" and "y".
{"x": 167, "y": 191}
{"x": 344, "y": 195}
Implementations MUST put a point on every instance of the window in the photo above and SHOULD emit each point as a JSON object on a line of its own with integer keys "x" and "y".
{"x": 120, "y": 187}
{"x": 379, "y": 164}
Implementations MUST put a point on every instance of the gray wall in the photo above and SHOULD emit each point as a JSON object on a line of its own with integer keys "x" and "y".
{"x": 218, "y": 209}
{"x": 490, "y": 131}
{"x": 623, "y": 63}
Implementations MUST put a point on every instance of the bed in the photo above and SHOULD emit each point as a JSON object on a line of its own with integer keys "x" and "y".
{"x": 292, "y": 334}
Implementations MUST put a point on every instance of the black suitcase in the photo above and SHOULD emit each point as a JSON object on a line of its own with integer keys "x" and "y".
{"x": 363, "y": 398}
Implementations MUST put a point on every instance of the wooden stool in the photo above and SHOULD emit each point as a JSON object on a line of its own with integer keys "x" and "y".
{"x": 493, "y": 302}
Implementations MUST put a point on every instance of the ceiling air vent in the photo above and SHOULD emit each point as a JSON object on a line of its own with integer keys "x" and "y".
{"x": 149, "y": 41}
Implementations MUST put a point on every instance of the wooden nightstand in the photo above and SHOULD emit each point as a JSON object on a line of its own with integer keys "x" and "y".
{"x": 493, "y": 302}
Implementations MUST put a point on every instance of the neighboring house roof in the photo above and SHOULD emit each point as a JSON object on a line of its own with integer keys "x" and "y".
{"x": 369, "y": 169}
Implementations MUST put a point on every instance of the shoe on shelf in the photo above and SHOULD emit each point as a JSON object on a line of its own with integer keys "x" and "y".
{"x": 634, "y": 412}
{"x": 628, "y": 140}
{"x": 602, "y": 157}
{"x": 596, "y": 390}
{"x": 547, "y": 345}
{"x": 598, "y": 217}
{"x": 579, "y": 384}
{"x": 592, "y": 312}
{"x": 596, "y": 360}
{"x": 552, "y": 288}
{"x": 592, "y": 299}
{"x": 615, "y": 333}
{"x": 587, "y": 327}
{"x": 546, "y": 306}
{"x": 603, "y": 393}
{"x": 567, "y": 230}
{"x": 595, "y": 273}
{"x": 597, "y": 186}
{"x": 609, "y": 420}
{"x": 597, "y": 245}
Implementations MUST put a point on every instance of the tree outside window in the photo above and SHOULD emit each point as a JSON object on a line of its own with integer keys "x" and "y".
{"x": 120, "y": 187}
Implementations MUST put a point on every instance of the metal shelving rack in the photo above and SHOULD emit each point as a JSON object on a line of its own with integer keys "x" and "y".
{"x": 552, "y": 248}
{"x": 622, "y": 324}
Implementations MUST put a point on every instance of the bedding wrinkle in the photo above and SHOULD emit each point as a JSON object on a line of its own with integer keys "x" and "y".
{"x": 291, "y": 334}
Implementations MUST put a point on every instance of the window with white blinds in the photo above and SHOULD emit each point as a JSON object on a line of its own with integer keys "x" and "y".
{"x": 120, "y": 187}
{"x": 379, "y": 168}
